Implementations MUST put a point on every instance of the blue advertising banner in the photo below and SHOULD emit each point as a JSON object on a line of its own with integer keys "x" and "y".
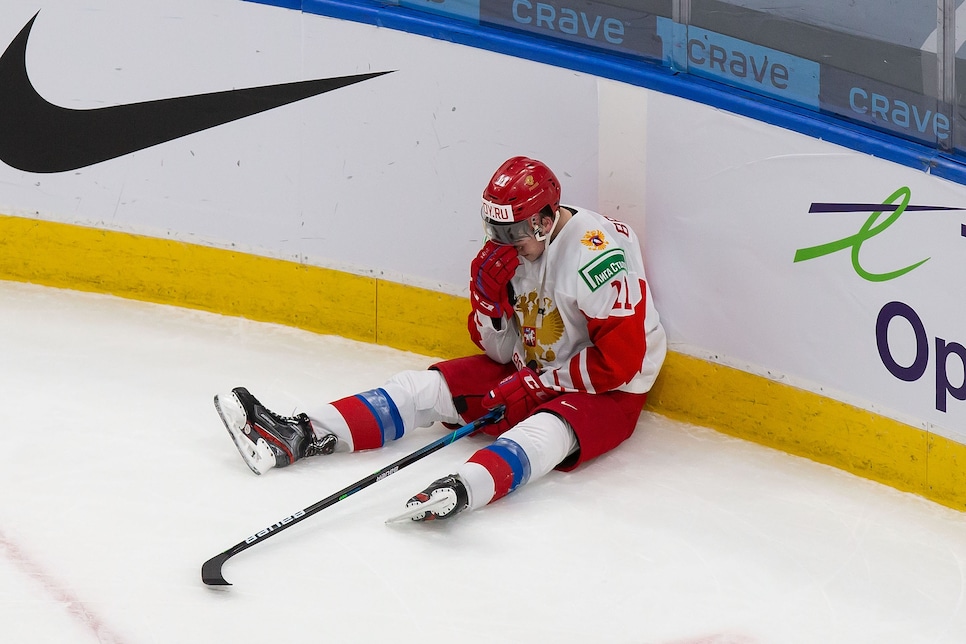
{"x": 619, "y": 42}
{"x": 883, "y": 106}
{"x": 740, "y": 63}
{"x": 597, "y": 24}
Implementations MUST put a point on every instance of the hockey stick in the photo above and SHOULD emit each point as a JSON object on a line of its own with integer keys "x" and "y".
{"x": 211, "y": 570}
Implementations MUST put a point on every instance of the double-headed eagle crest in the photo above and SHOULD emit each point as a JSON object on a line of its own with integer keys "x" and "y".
{"x": 541, "y": 326}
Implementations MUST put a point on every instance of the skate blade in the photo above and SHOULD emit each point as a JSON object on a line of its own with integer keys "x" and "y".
{"x": 249, "y": 451}
{"x": 415, "y": 511}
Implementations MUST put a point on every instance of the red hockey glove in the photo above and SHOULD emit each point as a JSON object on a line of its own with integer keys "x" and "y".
{"x": 521, "y": 393}
{"x": 491, "y": 272}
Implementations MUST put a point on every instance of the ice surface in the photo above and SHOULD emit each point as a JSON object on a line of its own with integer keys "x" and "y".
{"x": 118, "y": 481}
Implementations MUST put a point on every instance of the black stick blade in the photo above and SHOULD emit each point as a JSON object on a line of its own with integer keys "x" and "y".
{"x": 211, "y": 570}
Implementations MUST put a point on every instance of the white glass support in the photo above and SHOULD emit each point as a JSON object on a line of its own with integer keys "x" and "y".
{"x": 946, "y": 61}
{"x": 681, "y": 11}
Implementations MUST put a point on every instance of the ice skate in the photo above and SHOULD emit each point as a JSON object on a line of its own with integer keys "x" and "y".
{"x": 265, "y": 439}
{"x": 443, "y": 499}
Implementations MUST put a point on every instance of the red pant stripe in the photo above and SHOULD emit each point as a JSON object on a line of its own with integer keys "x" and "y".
{"x": 364, "y": 427}
{"x": 498, "y": 468}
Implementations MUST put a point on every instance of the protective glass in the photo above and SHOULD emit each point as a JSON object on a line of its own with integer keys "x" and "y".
{"x": 499, "y": 226}
{"x": 508, "y": 234}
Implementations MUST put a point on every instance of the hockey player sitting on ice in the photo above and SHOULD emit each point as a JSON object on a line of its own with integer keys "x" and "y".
{"x": 572, "y": 345}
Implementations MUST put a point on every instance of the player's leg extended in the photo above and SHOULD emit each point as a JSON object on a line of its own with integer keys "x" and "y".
{"x": 449, "y": 392}
{"x": 372, "y": 418}
{"x": 265, "y": 439}
{"x": 561, "y": 434}
{"x": 524, "y": 453}
{"x": 363, "y": 421}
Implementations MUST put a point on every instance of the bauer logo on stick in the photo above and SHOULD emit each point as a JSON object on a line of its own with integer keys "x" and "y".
{"x": 275, "y": 526}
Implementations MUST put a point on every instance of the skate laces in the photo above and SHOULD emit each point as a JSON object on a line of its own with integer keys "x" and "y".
{"x": 298, "y": 419}
{"x": 324, "y": 445}
{"x": 315, "y": 445}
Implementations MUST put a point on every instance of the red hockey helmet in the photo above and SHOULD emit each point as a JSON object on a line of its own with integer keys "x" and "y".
{"x": 518, "y": 191}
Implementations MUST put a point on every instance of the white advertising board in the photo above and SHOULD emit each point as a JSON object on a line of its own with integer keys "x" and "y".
{"x": 380, "y": 177}
{"x": 383, "y": 177}
{"x": 871, "y": 313}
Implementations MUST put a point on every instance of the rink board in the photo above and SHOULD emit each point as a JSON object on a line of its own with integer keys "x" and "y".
{"x": 406, "y": 317}
{"x": 811, "y": 293}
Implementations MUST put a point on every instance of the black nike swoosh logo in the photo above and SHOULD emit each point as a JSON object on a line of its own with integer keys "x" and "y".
{"x": 38, "y": 136}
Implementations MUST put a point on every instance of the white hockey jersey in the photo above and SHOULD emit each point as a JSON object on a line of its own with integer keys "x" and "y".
{"x": 584, "y": 318}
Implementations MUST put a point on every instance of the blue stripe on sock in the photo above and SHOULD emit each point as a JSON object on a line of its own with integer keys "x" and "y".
{"x": 385, "y": 412}
{"x": 515, "y": 457}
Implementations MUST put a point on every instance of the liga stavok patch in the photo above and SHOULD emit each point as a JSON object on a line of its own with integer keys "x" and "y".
{"x": 601, "y": 270}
